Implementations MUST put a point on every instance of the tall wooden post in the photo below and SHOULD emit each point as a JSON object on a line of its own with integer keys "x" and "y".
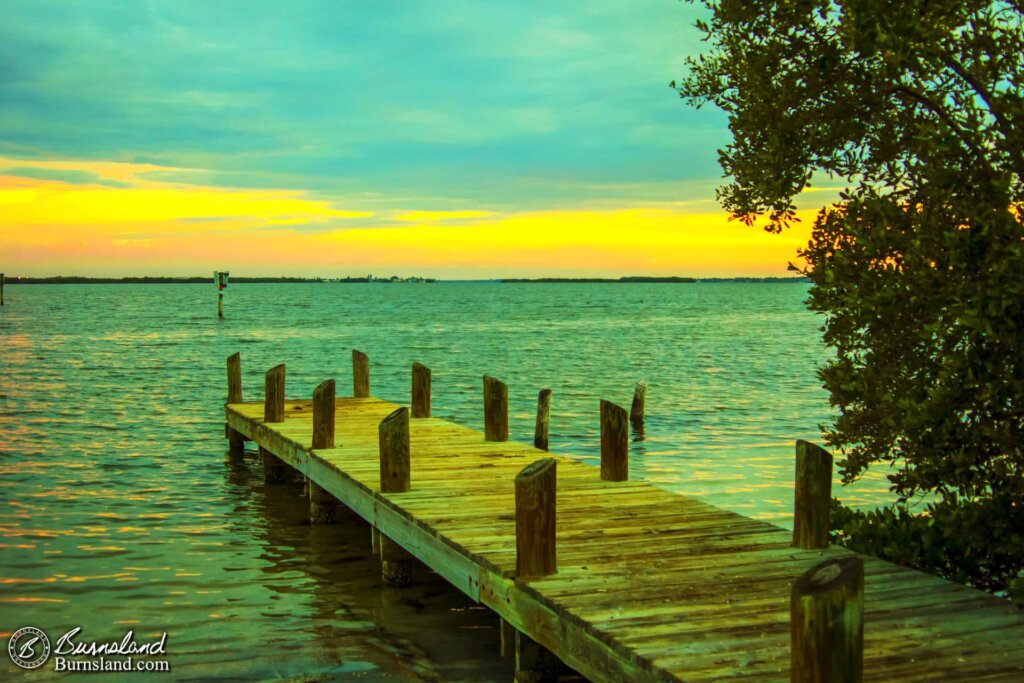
{"x": 813, "y": 496}
{"x": 420, "y": 390}
{"x": 360, "y": 374}
{"x": 540, "y": 432}
{"x": 274, "y": 469}
{"x": 614, "y": 442}
{"x": 395, "y": 477}
{"x": 826, "y": 621}
{"x": 636, "y": 411}
{"x": 495, "y": 410}
{"x": 535, "y": 518}
{"x": 236, "y": 442}
{"x": 323, "y": 507}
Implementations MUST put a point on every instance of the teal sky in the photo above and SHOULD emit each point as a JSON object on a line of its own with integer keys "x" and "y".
{"x": 455, "y": 104}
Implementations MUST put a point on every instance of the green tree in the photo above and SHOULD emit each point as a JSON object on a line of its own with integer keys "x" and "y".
{"x": 915, "y": 108}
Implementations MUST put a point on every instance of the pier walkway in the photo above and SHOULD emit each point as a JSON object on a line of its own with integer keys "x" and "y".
{"x": 647, "y": 585}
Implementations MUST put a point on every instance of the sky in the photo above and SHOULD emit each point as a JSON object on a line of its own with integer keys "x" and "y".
{"x": 449, "y": 139}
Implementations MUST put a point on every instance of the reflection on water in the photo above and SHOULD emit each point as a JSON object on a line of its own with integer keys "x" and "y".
{"x": 120, "y": 509}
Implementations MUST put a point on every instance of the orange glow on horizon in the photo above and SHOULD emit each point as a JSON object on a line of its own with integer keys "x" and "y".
{"x": 118, "y": 221}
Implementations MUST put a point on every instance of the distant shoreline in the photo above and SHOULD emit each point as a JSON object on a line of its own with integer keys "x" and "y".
{"x": 635, "y": 279}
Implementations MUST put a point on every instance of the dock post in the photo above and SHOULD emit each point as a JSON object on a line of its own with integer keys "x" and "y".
{"x": 636, "y": 411}
{"x": 826, "y": 622}
{"x": 535, "y": 518}
{"x": 360, "y": 374}
{"x": 420, "y": 390}
{"x": 393, "y": 434}
{"x": 540, "y": 432}
{"x": 536, "y": 485}
{"x": 323, "y": 507}
{"x": 274, "y": 470}
{"x": 614, "y": 443}
{"x": 813, "y": 496}
{"x": 495, "y": 410}
{"x": 236, "y": 442}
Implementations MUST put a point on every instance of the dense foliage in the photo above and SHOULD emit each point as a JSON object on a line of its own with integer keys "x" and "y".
{"x": 915, "y": 109}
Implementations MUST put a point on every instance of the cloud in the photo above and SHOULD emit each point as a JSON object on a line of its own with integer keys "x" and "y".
{"x": 437, "y": 98}
{"x": 66, "y": 176}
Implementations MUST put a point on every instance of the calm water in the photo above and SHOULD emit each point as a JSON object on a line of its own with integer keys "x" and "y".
{"x": 121, "y": 510}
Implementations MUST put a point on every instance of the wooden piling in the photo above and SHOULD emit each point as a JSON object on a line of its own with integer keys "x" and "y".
{"x": 614, "y": 442}
{"x": 813, "y": 496}
{"x": 636, "y": 411}
{"x": 535, "y": 663}
{"x": 236, "y": 442}
{"x": 323, "y": 507}
{"x": 508, "y": 638}
{"x": 420, "y": 390}
{"x": 393, "y": 437}
{"x": 540, "y": 432}
{"x": 495, "y": 410}
{"x": 827, "y": 623}
{"x": 535, "y": 519}
{"x": 393, "y": 434}
{"x": 273, "y": 400}
{"x": 274, "y": 470}
{"x": 360, "y": 374}
{"x": 323, "y": 415}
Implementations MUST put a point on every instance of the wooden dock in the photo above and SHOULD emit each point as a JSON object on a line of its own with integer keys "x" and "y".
{"x": 647, "y": 585}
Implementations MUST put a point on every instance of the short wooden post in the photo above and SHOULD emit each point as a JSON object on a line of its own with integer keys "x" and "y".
{"x": 273, "y": 400}
{"x": 274, "y": 469}
{"x": 235, "y": 378}
{"x": 614, "y": 443}
{"x": 393, "y": 433}
{"x": 813, "y": 496}
{"x": 535, "y": 519}
{"x": 540, "y": 432}
{"x": 636, "y": 411}
{"x": 236, "y": 442}
{"x": 323, "y": 415}
{"x": 323, "y": 507}
{"x": 420, "y": 390}
{"x": 360, "y": 374}
{"x": 826, "y": 622}
{"x": 495, "y": 410}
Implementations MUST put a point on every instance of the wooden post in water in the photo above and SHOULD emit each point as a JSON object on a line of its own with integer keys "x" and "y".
{"x": 420, "y": 390}
{"x": 826, "y": 621}
{"x": 636, "y": 411}
{"x": 393, "y": 434}
{"x": 236, "y": 442}
{"x": 220, "y": 278}
{"x": 274, "y": 469}
{"x": 813, "y": 496}
{"x": 360, "y": 374}
{"x": 2, "y": 279}
{"x": 540, "y": 432}
{"x": 535, "y": 518}
{"x": 614, "y": 442}
{"x": 495, "y": 410}
{"x": 323, "y": 507}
